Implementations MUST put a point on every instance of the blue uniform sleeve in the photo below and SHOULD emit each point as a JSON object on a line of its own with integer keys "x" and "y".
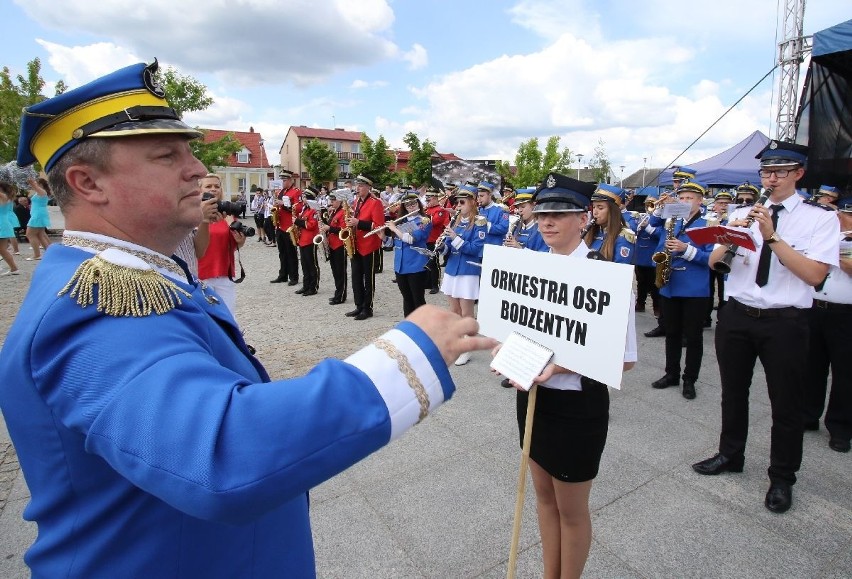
{"x": 499, "y": 221}
{"x": 474, "y": 241}
{"x": 623, "y": 251}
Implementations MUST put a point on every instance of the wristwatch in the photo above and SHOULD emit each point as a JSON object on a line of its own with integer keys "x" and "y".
{"x": 772, "y": 238}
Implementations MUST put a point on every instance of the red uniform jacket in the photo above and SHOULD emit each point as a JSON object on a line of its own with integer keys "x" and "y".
{"x": 337, "y": 223}
{"x": 370, "y": 214}
{"x": 440, "y": 219}
{"x": 285, "y": 214}
{"x": 307, "y": 224}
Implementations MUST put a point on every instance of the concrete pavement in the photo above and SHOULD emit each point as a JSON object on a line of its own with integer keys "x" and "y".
{"x": 439, "y": 501}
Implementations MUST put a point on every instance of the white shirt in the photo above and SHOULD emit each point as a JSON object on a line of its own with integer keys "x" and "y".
{"x": 571, "y": 381}
{"x": 838, "y": 286}
{"x": 811, "y": 231}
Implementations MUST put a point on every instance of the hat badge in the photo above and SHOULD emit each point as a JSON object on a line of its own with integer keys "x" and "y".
{"x": 551, "y": 182}
{"x": 773, "y": 145}
{"x": 151, "y": 82}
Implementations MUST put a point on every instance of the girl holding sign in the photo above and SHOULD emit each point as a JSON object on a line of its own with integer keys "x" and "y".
{"x": 462, "y": 241}
{"x": 571, "y": 413}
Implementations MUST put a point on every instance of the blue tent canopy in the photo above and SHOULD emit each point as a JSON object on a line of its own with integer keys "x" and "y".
{"x": 730, "y": 167}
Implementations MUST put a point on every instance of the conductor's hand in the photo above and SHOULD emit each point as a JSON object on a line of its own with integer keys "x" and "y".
{"x": 452, "y": 334}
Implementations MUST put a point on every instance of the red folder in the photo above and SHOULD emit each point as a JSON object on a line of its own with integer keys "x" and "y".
{"x": 723, "y": 235}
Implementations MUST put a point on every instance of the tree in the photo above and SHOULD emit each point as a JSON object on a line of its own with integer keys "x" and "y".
{"x": 533, "y": 165}
{"x": 215, "y": 153}
{"x": 377, "y": 160}
{"x": 183, "y": 93}
{"x": 600, "y": 163}
{"x": 419, "y": 160}
{"x": 13, "y": 98}
{"x": 320, "y": 161}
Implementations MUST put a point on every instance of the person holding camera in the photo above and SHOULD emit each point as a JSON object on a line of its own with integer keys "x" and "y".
{"x": 216, "y": 267}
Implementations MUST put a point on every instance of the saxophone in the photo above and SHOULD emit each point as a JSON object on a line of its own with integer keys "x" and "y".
{"x": 346, "y": 235}
{"x": 663, "y": 259}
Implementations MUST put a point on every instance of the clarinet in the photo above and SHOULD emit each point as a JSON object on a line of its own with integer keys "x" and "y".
{"x": 724, "y": 264}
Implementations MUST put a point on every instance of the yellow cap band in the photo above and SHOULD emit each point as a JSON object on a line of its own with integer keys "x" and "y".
{"x": 58, "y": 132}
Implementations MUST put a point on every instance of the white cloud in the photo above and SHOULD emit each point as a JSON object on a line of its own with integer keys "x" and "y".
{"x": 359, "y": 84}
{"x": 79, "y": 64}
{"x": 247, "y": 41}
{"x": 416, "y": 57}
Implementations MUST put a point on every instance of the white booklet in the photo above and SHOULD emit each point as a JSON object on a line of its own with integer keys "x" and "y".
{"x": 521, "y": 359}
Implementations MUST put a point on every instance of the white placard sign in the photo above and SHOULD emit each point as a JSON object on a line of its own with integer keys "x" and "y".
{"x": 576, "y": 307}
{"x": 276, "y": 184}
{"x": 676, "y": 210}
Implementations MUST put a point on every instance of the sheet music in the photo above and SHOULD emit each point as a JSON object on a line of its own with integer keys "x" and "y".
{"x": 521, "y": 359}
{"x": 676, "y": 210}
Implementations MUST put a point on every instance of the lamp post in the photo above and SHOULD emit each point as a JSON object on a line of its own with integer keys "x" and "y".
{"x": 621, "y": 181}
{"x": 579, "y": 163}
{"x": 644, "y": 160}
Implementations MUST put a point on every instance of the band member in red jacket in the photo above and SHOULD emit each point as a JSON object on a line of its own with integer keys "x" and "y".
{"x": 337, "y": 249}
{"x": 287, "y": 252}
{"x": 440, "y": 219}
{"x": 307, "y": 221}
{"x": 367, "y": 214}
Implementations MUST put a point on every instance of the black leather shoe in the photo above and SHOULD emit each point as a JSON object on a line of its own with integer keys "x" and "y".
{"x": 812, "y": 425}
{"x": 309, "y": 293}
{"x": 655, "y": 333}
{"x": 779, "y": 498}
{"x": 433, "y": 291}
{"x": 689, "y": 389}
{"x": 718, "y": 464}
{"x": 353, "y": 313}
{"x": 665, "y": 382}
{"x": 838, "y": 444}
{"x": 364, "y": 315}
{"x": 277, "y": 280}
{"x": 293, "y": 282}
{"x": 300, "y": 291}
{"x": 333, "y": 301}
{"x": 505, "y": 383}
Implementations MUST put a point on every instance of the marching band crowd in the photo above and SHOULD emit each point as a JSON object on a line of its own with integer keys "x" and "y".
{"x": 153, "y": 441}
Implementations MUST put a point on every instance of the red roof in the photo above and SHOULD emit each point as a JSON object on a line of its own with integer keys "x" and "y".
{"x": 250, "y": 140}
{"x": 331, "y": 134}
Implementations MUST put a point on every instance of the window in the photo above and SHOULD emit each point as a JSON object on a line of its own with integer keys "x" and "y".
{"x": 356, "y": 147}
{"x": 241, "y": 183}
{"x": 243, "y": 156}
{"x": 335, "y": 146}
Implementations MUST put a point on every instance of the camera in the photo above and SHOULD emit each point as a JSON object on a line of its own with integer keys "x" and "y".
{"x": 240, "y": 227}
{"x": 226, "y": 207}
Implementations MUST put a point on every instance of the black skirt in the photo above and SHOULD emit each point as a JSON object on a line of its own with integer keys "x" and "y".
{"x": 569, "y": 430}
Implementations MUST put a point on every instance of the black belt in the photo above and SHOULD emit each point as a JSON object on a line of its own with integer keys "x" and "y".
{"x": 788, "y": 312}
{"x": 832, "y": 306}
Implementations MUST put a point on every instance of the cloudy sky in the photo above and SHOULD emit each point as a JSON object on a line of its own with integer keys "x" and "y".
{"x": 476, "y": 77}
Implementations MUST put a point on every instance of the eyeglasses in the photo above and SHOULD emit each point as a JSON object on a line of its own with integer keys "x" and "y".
{"x": 780, "y": 173}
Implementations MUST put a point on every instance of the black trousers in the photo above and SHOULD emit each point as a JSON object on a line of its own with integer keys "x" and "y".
{"x": 412, "y": 286}
{"x": 337, "y": 260}
{"x": 645, "y": 277}
{"x": 269, "y": 229}
{"x": 260, "y": 225}
{"x": 780, "y": 340}
{"x": 434, "y": 269}
{"x": 288, "y": 258}
{"x": 716, "y": 280}
{"x": 830, "y": 348}
{"x": 364, "y": 279}
{"x": 310, "y": 267}
{"x": 684, "y": 319}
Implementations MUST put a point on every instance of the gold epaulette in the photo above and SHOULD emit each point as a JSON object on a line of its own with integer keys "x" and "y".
{"x": 480, "y": 220}
{"x": 127, "y": 286}
{"x": 627, "y": 234}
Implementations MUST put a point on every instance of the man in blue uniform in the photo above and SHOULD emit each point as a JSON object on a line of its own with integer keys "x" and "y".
{"x": 685, "y": 294}
{"x": 719, "y": 216}
{"x": 151, "y": 439}
{"x": 525, "y": 234}
{"x": 646, "y": 245}
{"x": 497, "y": 216}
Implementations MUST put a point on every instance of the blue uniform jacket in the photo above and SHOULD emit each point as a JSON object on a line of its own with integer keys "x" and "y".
{"x": 158, "y": 447}
{"x": 530, "y": 238}
{"x": 689, "y": 277}
{"x": 623, "y": 250}
{"x": 405, "y": 259}
{"x": 468, "y": 249}
{"x": 498, "y": 224}
{"x": 646, "y": 245}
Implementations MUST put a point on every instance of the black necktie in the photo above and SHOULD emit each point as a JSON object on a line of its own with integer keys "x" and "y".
{"x": 762, "y": 276}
